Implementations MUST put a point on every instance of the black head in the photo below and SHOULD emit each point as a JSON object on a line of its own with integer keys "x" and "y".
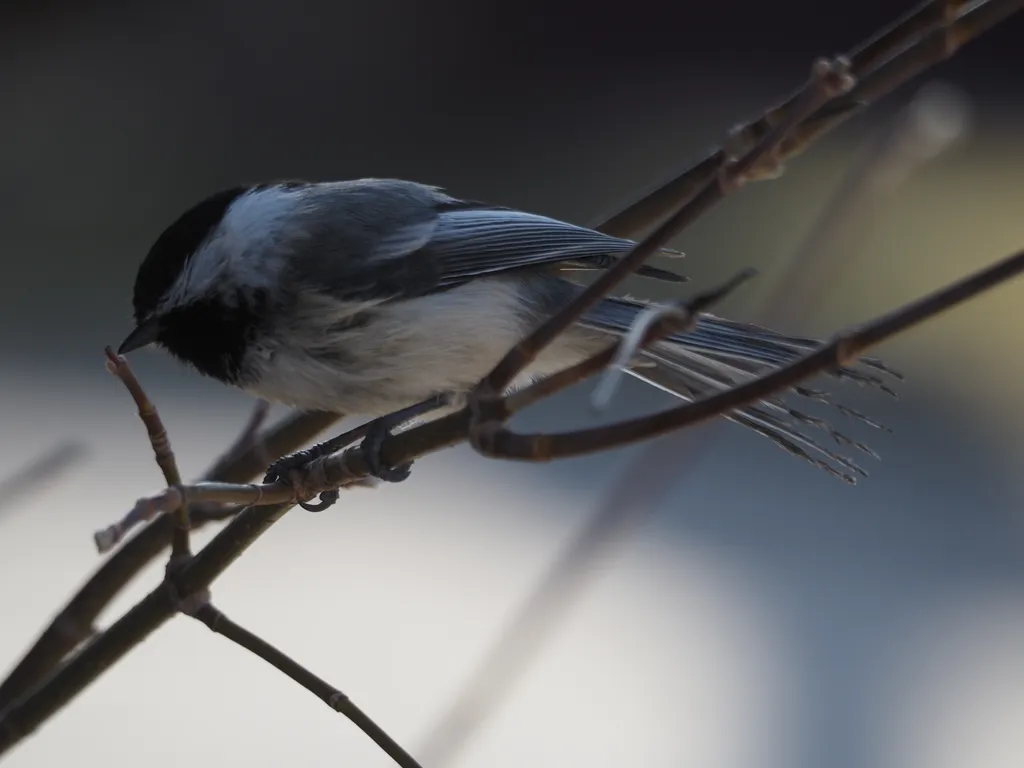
{"x": 174, "y": 248}
{"x": 208, "y": 333}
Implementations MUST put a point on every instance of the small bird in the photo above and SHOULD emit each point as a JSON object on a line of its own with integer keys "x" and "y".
{"x": 381, "y": 296}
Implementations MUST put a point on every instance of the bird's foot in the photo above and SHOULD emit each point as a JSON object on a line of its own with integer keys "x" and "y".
{"x": 378, "y": 431}
{"x": 293, "y": 469}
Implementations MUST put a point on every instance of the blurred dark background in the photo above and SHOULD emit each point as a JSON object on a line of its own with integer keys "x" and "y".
{"x": 767, "y": 615}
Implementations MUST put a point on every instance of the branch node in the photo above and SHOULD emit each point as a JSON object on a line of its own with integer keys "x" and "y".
{"x": 336, "y": 699}
{"x": 187, "y": 603}
{"x": 832, "y": 77}
{"x": 488, "y": 412}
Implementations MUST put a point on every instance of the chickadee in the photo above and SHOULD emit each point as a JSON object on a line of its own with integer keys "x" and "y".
{"x": 371, "y": 296}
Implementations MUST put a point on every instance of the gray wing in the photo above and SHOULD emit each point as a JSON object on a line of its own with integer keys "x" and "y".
{"x": 475, "y": 242}
{"x": 397, "y": 239}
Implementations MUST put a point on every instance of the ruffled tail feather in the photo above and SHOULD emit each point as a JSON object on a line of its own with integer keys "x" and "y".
{"x": 719, "y": 354}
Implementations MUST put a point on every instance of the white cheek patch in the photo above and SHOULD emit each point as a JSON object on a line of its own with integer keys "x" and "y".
{"x": 248, "y": 248}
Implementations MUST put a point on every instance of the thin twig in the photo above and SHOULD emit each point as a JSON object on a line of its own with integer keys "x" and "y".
{"x": 828, "y": 78}
{"x": 162, "y": 450}
{"x": 27, "y": 712}
{"x": 327, "y": 693}
{"x": 653, "y": 324}
{"x": 882, "y": 48}
{"x": 928, "y": 125}
{"x": 74, "y": 623}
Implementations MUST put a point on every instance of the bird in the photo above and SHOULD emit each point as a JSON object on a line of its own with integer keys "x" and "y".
{"x": 391, "y": 299}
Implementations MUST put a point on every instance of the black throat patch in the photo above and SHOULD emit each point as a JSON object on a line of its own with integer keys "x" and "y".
{"x": 213, "y": 334}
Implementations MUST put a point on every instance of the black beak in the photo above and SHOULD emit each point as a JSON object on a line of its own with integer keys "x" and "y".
{"x": 143, "y": 335}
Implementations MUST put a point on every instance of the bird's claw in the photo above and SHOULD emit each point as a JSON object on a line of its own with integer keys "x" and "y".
{"x": 291, "y": 468}
{"x": 379, "y": 431}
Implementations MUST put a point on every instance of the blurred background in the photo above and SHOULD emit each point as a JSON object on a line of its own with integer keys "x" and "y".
{"x": 763, "y": 615}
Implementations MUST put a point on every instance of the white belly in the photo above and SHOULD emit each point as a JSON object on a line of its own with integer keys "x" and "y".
{"x": 409, "y": 352}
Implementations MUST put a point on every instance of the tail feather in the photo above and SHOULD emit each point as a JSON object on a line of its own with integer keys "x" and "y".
{"x": 718, "y": 354}
{"x": 760, "y": 421}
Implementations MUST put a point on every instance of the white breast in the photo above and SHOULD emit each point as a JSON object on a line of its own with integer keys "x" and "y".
{"x": 410, "y": 351}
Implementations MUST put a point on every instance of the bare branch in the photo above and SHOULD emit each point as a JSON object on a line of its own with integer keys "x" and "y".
{"x": 177, "y": 496}
{"x": 882, "y": 48}
{"x": 656, "y": 323}
{"x": 663, "y": 321}
{"x": 25, "y": 713}
{"x": 828, "y": 79}
{"x": 495, "y": 441}
{"x": 162, "y": 451}
{"x": 74, "y": 623}
{"x": 328, "y": 694}
{"x": 930, "y": 34}
{"x": 927, "y": 126}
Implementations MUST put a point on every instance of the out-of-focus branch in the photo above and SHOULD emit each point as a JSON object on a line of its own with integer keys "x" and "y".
{"x": 250, "y": 442}
{"x": 327, "y": 693}
{"x": 933, "y": 119}
{"x": 924, "y": 36}
{"x": 74, "y": 623}
{"x": 42, "y": 471}
{"x": 180, "y": 586}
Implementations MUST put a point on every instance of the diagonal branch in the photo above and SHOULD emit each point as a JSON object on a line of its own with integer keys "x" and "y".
{"x": 881, "y": 64}
{"x": 922, "y": 38}
{"x": 217, "y": 622}
{"x": 74, "y": 623}
{"x": 27, "y": 712}
{"x": 498, "y": 442}
{"x": 828, "y": 79}
{"x": 42, "y": 470}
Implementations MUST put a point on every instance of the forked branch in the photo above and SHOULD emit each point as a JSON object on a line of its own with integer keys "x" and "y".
{"x": 829, "y": 78}
{"x": 496, "y": 441}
